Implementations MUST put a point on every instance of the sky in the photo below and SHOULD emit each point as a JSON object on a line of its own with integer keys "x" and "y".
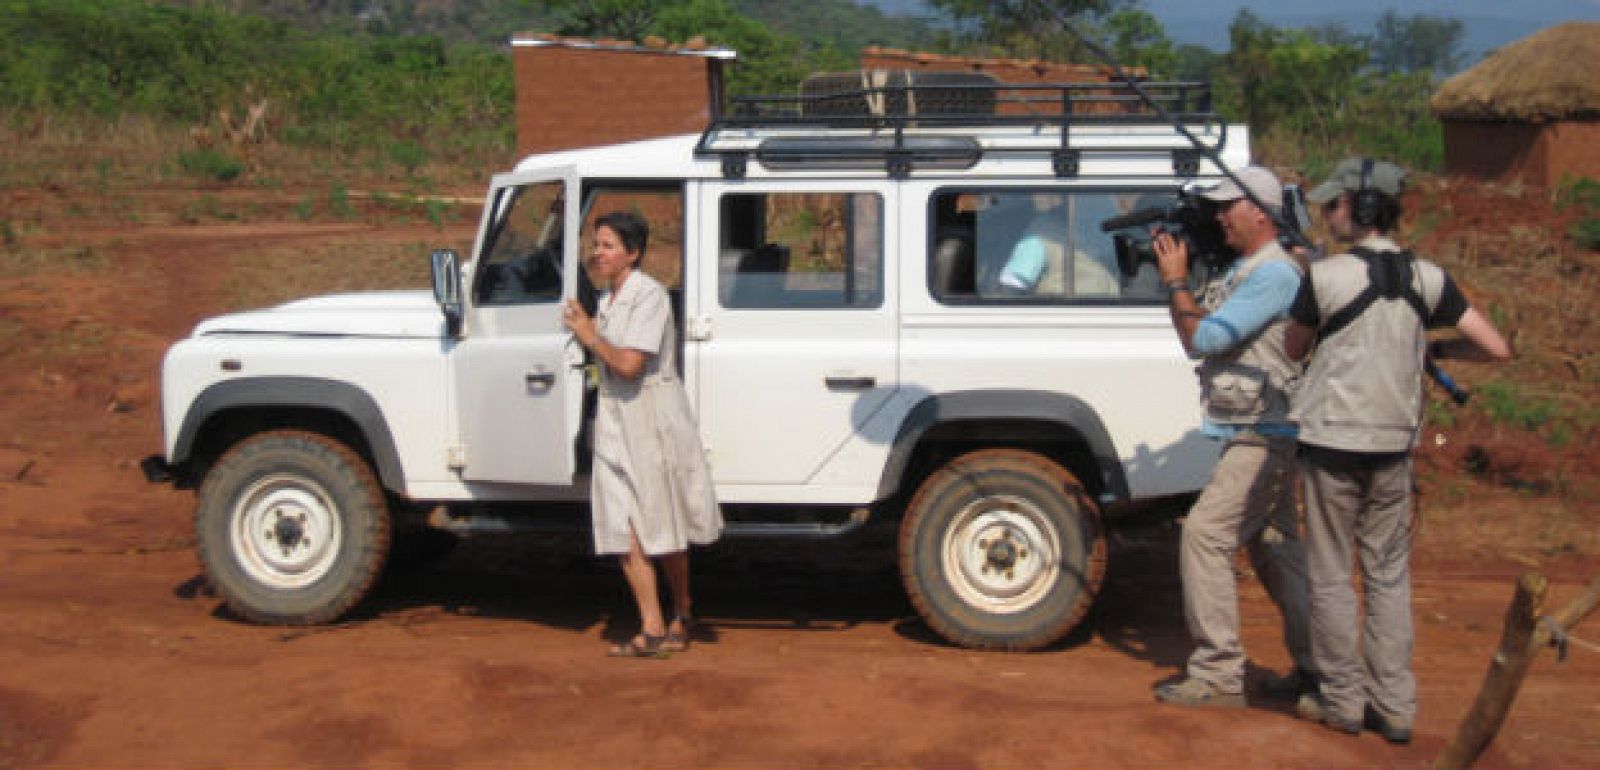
{"x": 1487, "y": 23}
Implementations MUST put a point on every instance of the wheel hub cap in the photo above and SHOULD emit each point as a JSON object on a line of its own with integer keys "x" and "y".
{"x": 1001, "y": 554}
{"x": 285, "y": 531}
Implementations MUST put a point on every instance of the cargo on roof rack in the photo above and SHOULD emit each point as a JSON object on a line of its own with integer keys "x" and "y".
{"x": 901, "y": 122}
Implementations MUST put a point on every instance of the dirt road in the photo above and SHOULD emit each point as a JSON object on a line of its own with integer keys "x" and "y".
{"x": 113, "y": 653}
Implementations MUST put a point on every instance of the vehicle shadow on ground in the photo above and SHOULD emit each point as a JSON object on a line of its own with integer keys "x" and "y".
{"x": 821, "y": 585}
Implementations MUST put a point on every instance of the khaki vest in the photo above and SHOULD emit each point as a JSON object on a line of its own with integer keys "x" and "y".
{"x": 1252, "y": 382}
{"x": 1363, "y": 388}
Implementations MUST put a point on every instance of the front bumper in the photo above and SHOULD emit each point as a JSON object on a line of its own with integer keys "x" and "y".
{"x": 157, "y": 470}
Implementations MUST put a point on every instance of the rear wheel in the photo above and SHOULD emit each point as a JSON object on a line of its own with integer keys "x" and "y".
{"x": 1002, "y": 549}
{"x": 292, "y": 528}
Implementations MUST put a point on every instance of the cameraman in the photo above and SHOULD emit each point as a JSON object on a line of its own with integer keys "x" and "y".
{"x": 1236, "y": 329}
{"x": 1359, "y": 412}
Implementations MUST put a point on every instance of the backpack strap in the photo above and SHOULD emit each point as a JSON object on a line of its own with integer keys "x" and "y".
{"x": 1388, "y": 277}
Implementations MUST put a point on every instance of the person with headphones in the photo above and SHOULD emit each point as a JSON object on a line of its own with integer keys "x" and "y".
{"x": 1359, "y": 411}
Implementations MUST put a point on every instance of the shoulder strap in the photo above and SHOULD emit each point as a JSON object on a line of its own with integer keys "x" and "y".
{"x": 1388, "y": 277}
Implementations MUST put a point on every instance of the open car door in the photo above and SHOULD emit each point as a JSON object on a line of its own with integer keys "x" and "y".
{"x": 517, "y": 370}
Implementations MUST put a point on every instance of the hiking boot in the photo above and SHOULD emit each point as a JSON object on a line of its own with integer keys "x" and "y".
{"x": 1294, "y": 684}
{"x": 1394, "y": 732}
{"x": 1312, "y": 708}
{"x": 1197, "y": 692}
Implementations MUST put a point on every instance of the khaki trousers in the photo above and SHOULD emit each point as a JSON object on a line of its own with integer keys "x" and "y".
{"x": 1249, "y": 502}
{"x": 1359, "y": 506}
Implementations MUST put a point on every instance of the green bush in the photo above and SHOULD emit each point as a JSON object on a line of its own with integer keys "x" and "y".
{"x": 1587, "y": 234}
{"x": 108, "y": 57}
{"x": 339, "y": 202}
{"x": 1507, "y": 404}
{"x": 210, "y": 164}
{"x": 1581, "y": 192}
{"x": 408, "y": 155}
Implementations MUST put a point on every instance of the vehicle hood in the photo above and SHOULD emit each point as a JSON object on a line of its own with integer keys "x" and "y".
{"x": 367, "y": 314}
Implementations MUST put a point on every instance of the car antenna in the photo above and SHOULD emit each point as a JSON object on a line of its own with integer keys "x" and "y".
{"x": 1286, "y": 226}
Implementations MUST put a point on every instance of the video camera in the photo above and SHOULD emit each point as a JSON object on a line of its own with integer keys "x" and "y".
{"x": 1186, "y": 216}
{"x": 1193, "y": 219}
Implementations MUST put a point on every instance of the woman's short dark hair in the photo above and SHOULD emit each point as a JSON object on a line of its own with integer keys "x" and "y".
{"x": 630, "y": 227}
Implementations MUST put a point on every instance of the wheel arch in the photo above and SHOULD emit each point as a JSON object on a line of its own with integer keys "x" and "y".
{"x": 231, "y": 409}
{"x": 1071, "y": 430}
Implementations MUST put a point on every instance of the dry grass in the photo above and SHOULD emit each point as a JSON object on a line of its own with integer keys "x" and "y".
{"x": 259, "y": 278}
{"x": 131, "y": 152}
{"x": 1547, "y": 76}
{"x": 1510, "y": 473}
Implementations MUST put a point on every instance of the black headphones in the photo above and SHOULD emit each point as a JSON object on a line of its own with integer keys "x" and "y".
{"x": 1367, "y": 204}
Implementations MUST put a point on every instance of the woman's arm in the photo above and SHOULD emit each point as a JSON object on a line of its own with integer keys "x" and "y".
{"x": 1479, "y": 341}
{"x": 626, "y": 363}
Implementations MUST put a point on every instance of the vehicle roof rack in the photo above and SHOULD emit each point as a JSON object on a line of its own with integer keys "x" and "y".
{"x": 912, "y": 121}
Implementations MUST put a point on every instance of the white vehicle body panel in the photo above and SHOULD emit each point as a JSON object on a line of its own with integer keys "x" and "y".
{"x": 467, "y": 426}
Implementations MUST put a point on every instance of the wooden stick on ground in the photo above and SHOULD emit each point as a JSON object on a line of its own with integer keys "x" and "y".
{"x": 1522, "y": 638}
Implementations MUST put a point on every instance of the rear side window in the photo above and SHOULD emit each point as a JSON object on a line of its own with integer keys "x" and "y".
{"x": 1040, "y": 246}
{"x": 800, "y": 250}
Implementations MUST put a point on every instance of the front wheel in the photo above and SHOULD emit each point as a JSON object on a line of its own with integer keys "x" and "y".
{"x": 1001, "y": 549}
{"x": 292, "y": 528}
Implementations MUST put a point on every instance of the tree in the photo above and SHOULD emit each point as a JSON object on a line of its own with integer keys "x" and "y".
{"x": 1419, "y": 43}
{"x": 1029, "y": 27}
{"x": 768, "y": 62}
{"x": 624, "y": 19}
{"x": 1138, "y": 40}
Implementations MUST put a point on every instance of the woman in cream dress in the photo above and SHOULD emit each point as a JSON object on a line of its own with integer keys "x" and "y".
{"x": 651, "y": 495}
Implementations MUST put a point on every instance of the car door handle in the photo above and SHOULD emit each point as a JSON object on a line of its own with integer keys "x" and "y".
{"x": 540, "y": 379}
{"x": 850, "y": 383}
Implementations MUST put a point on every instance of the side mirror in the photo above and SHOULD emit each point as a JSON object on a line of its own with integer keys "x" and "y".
{"x": 447, "y": 287}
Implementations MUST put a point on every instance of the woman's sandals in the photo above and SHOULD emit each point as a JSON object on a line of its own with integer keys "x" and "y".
{"x": 678, "y": 633}
{"x": 641, "y": 646}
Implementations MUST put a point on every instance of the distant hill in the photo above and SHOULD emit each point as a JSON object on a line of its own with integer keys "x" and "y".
{"x": 1488, "y": 24}
{"x": 841, "y": 24}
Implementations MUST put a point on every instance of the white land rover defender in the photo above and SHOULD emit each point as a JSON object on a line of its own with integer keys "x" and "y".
{"x": 946, "y": 316}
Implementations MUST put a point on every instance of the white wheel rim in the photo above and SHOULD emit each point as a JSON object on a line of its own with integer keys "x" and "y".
{"x": 1001, "y": 554}
{"x": 285, "y": 531}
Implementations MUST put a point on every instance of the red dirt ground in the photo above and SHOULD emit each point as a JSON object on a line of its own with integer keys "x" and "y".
{"x": 114, "y": 653}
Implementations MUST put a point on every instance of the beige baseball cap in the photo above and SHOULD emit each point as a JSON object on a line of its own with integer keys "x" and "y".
{"x": 1261, "y": 183}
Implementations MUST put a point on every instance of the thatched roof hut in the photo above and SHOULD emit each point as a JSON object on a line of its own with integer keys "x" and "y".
{"x": 1530, "y": 111}
{"x": 1549, "y": 75}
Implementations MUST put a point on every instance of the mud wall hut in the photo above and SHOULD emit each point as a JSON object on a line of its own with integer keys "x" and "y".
{"x": 1529, "y": 112}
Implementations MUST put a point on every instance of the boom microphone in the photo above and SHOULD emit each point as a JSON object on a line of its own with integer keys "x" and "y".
{"x": 1138, "y": 218}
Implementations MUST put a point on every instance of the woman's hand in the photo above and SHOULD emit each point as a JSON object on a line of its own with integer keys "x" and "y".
{"x": 579, "y": 323}
{"x": 626, "y": 363}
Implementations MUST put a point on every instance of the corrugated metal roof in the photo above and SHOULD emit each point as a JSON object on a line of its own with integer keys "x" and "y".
{"x": 693, "y": 47}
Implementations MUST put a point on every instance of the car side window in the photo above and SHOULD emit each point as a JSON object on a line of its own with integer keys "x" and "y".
{"x": 521, "y": 259}
{"x": 800, "y": 250}
{"x": 1036, "y": 246}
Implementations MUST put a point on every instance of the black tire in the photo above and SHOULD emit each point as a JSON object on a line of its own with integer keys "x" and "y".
{"x": 1001, "y": 549}
{"x": 292, "y": 527}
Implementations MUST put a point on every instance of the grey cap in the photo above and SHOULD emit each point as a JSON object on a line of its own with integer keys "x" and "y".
{"x": 1383, "y": 176}
{"x": 1261, "y": 183}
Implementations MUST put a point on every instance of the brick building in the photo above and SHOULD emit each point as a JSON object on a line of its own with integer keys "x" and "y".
{"x": 576, "y": 92}
{"x": 580, "y": 93}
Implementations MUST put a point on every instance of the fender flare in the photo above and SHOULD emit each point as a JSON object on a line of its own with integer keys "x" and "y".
{"x": 311, "y": 392}
{"x": 1068, "y": 412}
